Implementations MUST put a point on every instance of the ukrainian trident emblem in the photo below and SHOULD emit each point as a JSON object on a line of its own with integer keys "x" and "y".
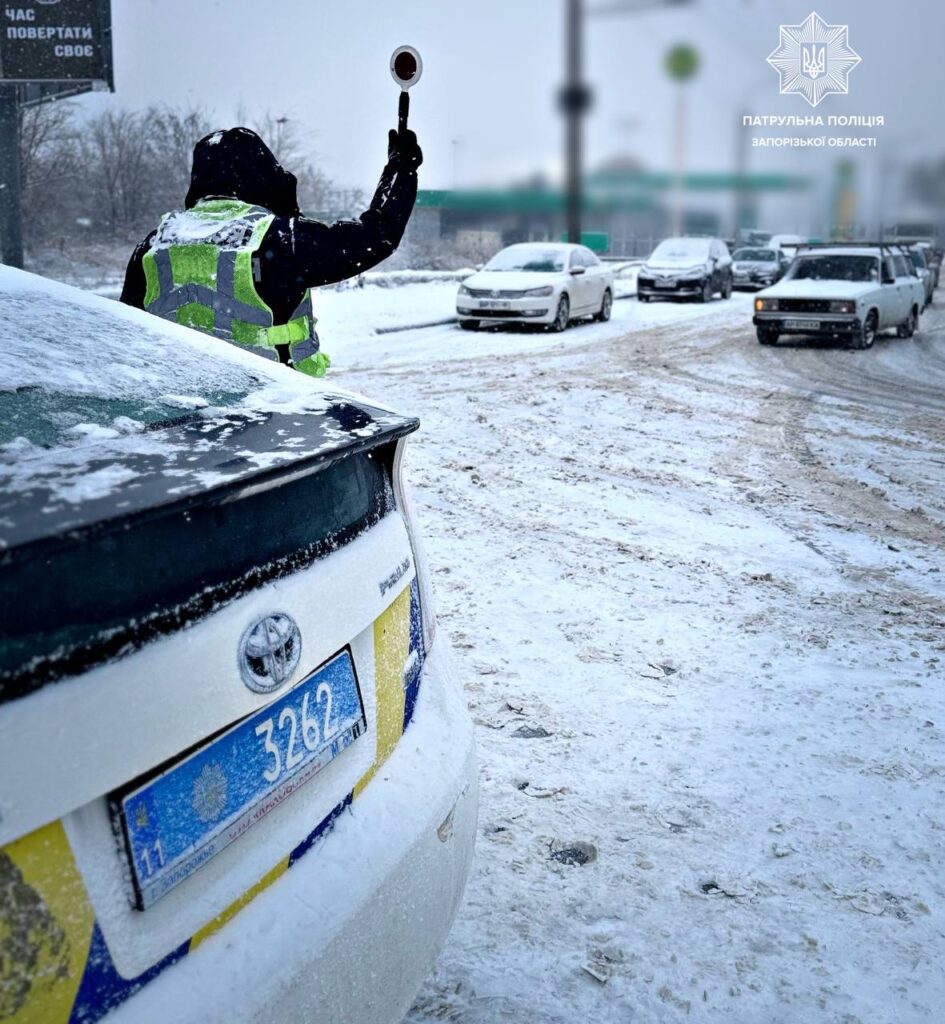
{"x": 814, "y": 59}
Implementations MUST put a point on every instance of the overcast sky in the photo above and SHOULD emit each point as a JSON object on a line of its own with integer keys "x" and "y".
{"x": 491, "y": 68}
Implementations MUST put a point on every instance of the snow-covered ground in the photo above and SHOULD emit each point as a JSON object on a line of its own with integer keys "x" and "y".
{"x": 696, "y": 591}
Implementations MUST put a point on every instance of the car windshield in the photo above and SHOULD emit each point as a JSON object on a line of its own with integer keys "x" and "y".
{"x": 756, "y": 255}
{"x": 839, "y": 267}
{"x": 678, "y": 250}
{"x": 537, "y": 261}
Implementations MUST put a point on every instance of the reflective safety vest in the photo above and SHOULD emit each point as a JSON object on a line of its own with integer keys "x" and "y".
{"x": 201, "y": 271}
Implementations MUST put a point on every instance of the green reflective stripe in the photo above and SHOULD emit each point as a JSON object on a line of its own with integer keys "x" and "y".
{"x": 316, "y": 365}
{"x": 195, "y": 264}
{"x": 290, "y": 333}
{"x": 227, "y": 209}
{"x": 196, "y": 315}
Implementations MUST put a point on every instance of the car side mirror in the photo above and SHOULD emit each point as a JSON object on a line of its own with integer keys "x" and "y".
{"x": 577, "y": 270}
{"x": 888, "y": 278}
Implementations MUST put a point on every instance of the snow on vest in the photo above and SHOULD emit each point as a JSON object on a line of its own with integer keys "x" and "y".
{"x": 201, "y": 271}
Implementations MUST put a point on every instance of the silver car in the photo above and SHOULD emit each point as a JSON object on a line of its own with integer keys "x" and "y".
{"x": 755, "y": 268}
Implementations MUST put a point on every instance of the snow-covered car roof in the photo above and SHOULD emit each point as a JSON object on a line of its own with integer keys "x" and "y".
{"x": 107, "y": 412}
{"x": 559, "y": 246}
{"x": 840, "y": 250}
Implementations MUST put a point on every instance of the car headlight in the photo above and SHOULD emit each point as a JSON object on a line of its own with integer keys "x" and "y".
{"x": 463, "y": 290}
{"x": 843, "y": 306}
{"x": 535, "y": 293}
{"x": 766, "y": 305}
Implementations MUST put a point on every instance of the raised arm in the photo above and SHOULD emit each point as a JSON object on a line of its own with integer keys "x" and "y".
{"x": 325, "y": 253}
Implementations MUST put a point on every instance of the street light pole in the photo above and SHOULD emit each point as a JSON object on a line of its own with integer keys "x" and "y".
{"x": 575, "y": 101}
{"x": 575, "y": 96}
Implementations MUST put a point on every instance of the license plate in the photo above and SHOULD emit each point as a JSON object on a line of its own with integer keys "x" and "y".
{"x": 802, "y": 325}
{"x": 741, "y": 278}
{"x": 493, "y": 304}
{"x": 179, "y": 820}
{"x": 665, "y": 284}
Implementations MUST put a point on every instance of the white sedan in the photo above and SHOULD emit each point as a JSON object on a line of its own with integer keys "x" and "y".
{"x": 237, "y": 775}
{"x": 548, "y": 283}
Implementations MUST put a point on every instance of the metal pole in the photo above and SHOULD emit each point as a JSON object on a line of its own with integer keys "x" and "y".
{"x": 679, "y": 161}
{"x": 744, "y": 213}
{"x": 574, "y": 112}
{"x": 11, "y": 225}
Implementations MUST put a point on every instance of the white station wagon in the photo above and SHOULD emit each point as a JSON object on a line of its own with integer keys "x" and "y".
{"x": 851, "y": 291}
{"x": 237, "y": 776}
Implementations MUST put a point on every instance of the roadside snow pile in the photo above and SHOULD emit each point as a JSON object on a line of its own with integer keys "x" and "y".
{"x": 398, "y": 278}
{"x": 358, "y": 312}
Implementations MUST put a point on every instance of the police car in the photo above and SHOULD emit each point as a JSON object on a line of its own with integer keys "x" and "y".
{"x": 237, "y": 776}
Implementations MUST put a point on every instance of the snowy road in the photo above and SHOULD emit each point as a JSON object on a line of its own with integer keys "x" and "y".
{"x": 713, "y": 573}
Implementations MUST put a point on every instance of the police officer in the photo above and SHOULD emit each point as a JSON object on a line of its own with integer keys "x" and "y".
{"x": 240, "y": 260}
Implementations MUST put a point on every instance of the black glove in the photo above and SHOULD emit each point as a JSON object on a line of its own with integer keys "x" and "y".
{"x": 402, "y": 150}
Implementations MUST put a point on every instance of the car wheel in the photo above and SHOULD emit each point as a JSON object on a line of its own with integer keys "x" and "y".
{"x": 644, "y": 298}
{"x": 469, "y": 325}
{"x": 727, "y": 288}
{"x": 563, "y": 315}
{"x": 707, "y": 293}
{"x": 767, "y": 336}
{"x": 606, "y": 306}
{"x": 867, "y": 333}
{"x": 911, "y": 325}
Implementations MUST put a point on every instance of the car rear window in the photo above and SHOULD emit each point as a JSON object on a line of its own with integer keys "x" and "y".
{"x": 756, "y": 255}
{"x": 77, "y": 601}
{"x": 835, "y": 268}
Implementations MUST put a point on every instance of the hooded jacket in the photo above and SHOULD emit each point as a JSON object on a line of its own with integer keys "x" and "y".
{"x": 296, "y": 253}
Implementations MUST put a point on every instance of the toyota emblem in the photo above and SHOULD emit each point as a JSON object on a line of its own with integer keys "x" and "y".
{"x": 269, "y": 652}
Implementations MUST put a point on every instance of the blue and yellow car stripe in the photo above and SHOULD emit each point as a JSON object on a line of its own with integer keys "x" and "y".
{"x": 55, "y": 967}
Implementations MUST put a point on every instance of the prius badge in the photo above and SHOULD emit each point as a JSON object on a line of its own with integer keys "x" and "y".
{"x": 269, "y": 652}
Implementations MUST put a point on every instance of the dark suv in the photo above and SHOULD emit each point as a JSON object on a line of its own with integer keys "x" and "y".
{"x": 696, "y": 268}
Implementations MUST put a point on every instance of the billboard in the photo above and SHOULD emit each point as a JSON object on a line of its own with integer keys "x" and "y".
{"x": 56, "y": 41}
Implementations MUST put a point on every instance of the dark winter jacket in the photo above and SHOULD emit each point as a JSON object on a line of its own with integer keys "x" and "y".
{"x": 297, "y": 253}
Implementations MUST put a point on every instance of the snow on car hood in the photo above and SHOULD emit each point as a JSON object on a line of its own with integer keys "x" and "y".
{"x": 203, "y": 413}
{"x": 511, "y": 280}
{"x": 820, "y": 289}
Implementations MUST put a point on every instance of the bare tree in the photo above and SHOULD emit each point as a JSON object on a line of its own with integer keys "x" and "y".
{"x": 48, "y": 165}
{"x": 118, "y": 153}
{"x": 174, "y": 133}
